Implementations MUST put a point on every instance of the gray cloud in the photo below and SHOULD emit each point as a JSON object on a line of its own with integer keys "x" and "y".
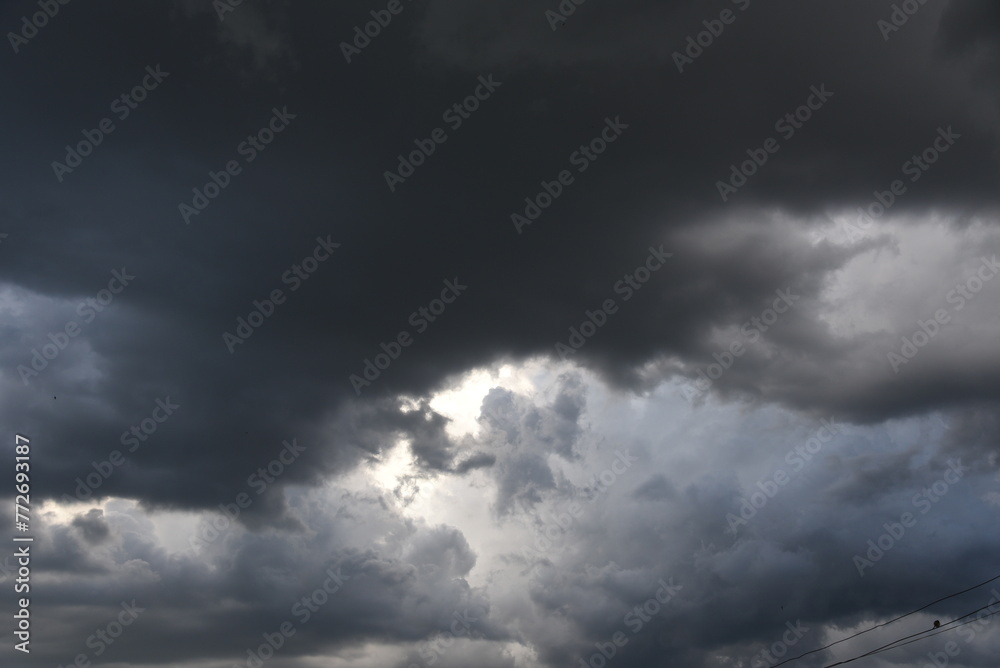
{"x": 354, "y": 499}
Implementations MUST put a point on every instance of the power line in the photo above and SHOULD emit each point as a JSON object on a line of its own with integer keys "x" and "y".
{"x": 924, "y": 635}
{"x": 939, "y": 631}
{"x": 895, "y": 619}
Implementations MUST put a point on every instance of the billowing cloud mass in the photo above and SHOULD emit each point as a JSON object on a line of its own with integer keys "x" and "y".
{"x": 512, "y": 334}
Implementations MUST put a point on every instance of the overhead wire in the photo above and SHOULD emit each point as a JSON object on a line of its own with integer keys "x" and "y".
{"x": 924, "y": 635}
{"x": 938, "y": 631}
{"x": 886, "y": 623}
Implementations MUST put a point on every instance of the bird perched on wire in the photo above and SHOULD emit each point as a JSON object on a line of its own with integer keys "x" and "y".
{"x": 937, "y": 623}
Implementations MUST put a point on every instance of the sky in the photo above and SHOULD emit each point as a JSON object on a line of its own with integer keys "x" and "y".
{"x": 520, "y": 334}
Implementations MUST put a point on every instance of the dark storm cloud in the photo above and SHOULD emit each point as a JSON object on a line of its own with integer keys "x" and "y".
{"x": 967, "y": 26}
{"x": 790, "y": 563}
{"x": 973, "y": 433}
{"x": 480, "y": 460}
{"x": 92, "y": 525}
{"x": 407, "y": 589}
{"x": 374, "y": 425}
{"x": 322, "y": 178}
